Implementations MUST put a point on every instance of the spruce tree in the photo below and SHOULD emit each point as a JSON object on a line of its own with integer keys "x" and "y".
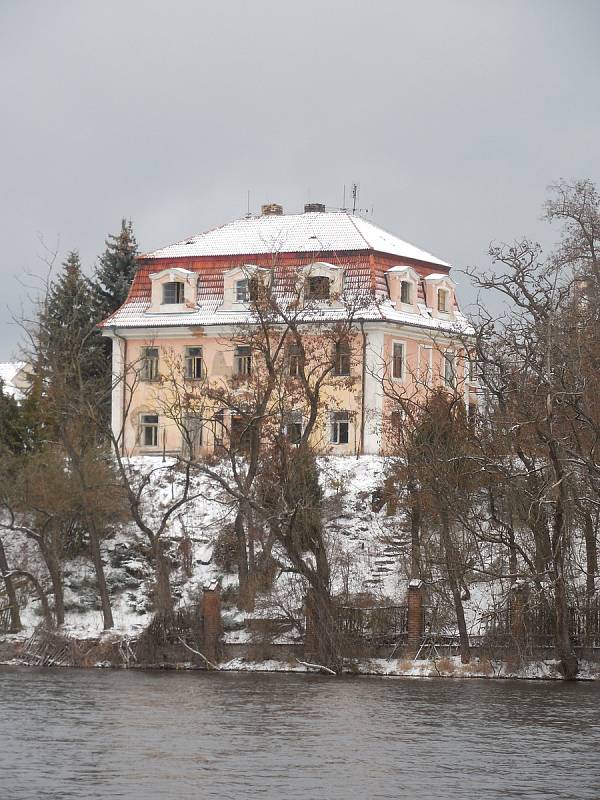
{"x": 72, "y": 346}
{"x": 115, "y": 270}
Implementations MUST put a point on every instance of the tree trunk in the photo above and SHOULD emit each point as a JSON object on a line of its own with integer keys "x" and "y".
{"x": 164, "y": 597}
{"x": 107, "y": 616}
{"x": 15, "y": 618}
{"x": 591, "y": 554}
{"x": 41, "y": 594}
{"x": 56, "y": 579}
{"x": 454, "y": 581}
{"x": 246, "y": 599}
{"x": 569, "y": 664}
{"x": 324, "y": 635}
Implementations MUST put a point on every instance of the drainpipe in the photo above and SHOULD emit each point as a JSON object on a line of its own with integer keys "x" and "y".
{"x": 113, "y": 328}
{"x": 362, "y": 394}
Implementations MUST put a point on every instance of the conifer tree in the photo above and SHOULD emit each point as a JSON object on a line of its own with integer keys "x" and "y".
{"x": 115, "y": 270}
{"x": 71, "y": 343}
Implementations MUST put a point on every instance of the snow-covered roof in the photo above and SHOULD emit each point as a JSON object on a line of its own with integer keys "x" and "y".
{"x": 9, "y": 370}
{"x": 136, "y": 315}
{"x": 311, "y": 232}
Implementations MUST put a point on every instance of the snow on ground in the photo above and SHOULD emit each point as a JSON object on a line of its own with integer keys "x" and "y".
{"x": 369, "y": 552}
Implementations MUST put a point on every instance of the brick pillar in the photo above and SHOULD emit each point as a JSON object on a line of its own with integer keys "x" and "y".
{"x": 212, "y": 624}
{"x": 415, "y": 616}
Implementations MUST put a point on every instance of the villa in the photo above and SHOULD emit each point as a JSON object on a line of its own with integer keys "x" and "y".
{"x": 191, "y": 298}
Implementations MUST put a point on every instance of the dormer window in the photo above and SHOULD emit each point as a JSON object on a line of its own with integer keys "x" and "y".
{"x": 243, "y": 285}
{"x": 442, "y": 300}
{"x": 242, "y": 294}
{"x": 318, "y": 287}
{"x": 246, "y": 290}
{"x": 402, "y": 284}
{"x": 173, "y": 293}
{"x": 439, "y": 295}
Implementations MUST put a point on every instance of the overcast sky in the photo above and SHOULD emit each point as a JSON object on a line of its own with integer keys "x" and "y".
{"x": 452, "y": 115}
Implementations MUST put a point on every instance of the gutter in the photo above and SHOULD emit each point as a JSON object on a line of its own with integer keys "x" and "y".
{"x": 113, "y": 328}
{"x": 362, "y": 394}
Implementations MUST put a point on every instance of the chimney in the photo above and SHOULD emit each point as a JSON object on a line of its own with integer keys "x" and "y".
{"x": 271, "y": 209}
{"x": 314, "y": 207}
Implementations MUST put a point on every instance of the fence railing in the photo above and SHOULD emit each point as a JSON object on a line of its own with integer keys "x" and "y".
{"x": 376, "y": 625}
{"x": 534, "y": 623}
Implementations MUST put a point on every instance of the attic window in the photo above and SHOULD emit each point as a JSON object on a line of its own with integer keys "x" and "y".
{"x": 406, "y": 292}
{"x": 173, "y": 293}
{"x": 317, "y": 288}
{"x": 442, "y": 300}
{"x": 246, "y": 290}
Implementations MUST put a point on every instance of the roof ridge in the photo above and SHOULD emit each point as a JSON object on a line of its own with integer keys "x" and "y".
{"x": 360, "y": 233}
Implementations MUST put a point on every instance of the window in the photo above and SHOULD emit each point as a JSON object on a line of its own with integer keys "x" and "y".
{"x": 398, "y": 360}
{"x": 173, "y": 293}
{"x": 246, "y": 290}
{"x": 293, "y": 428}
{"x": 442, "y": 300}
{"x": 317, "y": 288}
{"x": 396, "y": 422}
{"x": 219, "y": 428}
{"x": 149, "y": 430}
{"x": 341, "y": 363}
{"x": 472, "y": 370}
{"x": 150, "y": 364}
{"x": 241, "y": 432}
{"x": 294, "y": 355}
{"x": 425, "y": 364}
{"x": 449, "y": 369}
{"x": 242, "y": 293}
{"x": 192, "y": 436}
{"x": 243, "y": 360}
{"x": 340, "y": 428}
{"x": 194, "y": 365}
{"x": 406, "y": 292}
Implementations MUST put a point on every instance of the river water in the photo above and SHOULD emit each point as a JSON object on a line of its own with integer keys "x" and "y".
{"x": 145, "y": 735}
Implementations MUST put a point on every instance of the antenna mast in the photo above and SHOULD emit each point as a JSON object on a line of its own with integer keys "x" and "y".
{"x": 354, "y": 197}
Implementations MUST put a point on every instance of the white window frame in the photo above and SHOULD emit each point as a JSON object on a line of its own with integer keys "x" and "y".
{"x": 402, "y": 376}
{"x": 445, "y": 293}
{"x": 293, "y": 360}
{"x": 243, "y": 360}
{"x": 179, "y": 293}
{"x": 242, "y": 291}
{"x": 153, "y": 427}
{"x": 150, "y": 363}
{"x": 296, "y": 422}
{"x": 426, "y": 370}
{"x": 337, "y": 421}
{"x": 449, "y": 358}
{"x": 194, "y": 364}
{"x": 342, "y": 356}
{"x": 410, "y": 287}
{"x": 193, "y": 434}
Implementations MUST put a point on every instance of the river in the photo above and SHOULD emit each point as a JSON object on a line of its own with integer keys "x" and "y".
{"x": 136, "y": 735}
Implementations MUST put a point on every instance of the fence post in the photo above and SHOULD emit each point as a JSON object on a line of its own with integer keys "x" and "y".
{"x": 415, "y": 623}
{"x": 212, "y": 624}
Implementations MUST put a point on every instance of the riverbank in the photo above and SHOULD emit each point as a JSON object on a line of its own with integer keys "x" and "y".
{"x": 12, "y": 654}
